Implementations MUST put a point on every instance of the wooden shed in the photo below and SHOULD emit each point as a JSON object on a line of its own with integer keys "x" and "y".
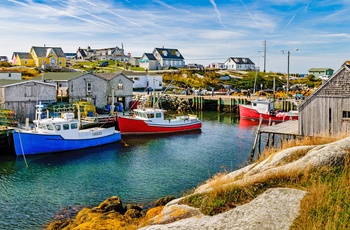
{"x": 23, "y": 96}
{"x": 98, "y": 89}
{"x": 326, "y": 112}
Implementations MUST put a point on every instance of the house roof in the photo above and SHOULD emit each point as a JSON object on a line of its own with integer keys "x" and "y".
{"x": 150, "y": 56}
{"x": 104, "y": 76}
{"x": 241, "y": 60}
{"x": 109, "y": 76}
{"x": 319, "y": 69}
{"x": 167, "y": 53}
{"x": 82, "y": 52}
{"x": 43, "y": 51}
{"x": 22, "y": 55}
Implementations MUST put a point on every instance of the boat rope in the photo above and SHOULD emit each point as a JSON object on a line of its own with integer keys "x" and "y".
{"x": 125, "y": 144}
{"x": 20, "y": 141}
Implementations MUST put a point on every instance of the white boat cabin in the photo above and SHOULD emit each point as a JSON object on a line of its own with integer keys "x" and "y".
{"x": 149, "y": 114}
{"x": 263, "y": 106}
{"x": 57, "y": 125}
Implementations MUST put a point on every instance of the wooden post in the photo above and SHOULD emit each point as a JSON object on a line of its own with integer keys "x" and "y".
{"x": 219, "y": 104}
{"x": 255, "y": 141}
{"x": 268, "y": 136}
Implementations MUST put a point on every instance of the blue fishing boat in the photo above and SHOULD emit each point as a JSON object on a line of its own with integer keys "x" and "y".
{"x": 51, "y": 135}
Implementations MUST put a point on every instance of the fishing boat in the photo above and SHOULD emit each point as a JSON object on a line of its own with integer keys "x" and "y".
{"x": 60, "y": 134}
{"x": 152, "y": 121}
{"x": 266, "y": 110}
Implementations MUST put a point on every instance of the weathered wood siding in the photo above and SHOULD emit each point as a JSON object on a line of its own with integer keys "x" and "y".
{"x": 23, "y": 97}
{"x": 101, "y": 89}
{"x": 78, "y": 89}
{"x": 322, "y": 113}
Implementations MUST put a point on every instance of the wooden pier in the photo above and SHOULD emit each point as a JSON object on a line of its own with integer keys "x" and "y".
{"x": 287, "y": 130}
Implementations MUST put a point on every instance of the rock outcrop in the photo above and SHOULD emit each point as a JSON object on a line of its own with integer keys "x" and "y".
{"x": 276, "y": 208}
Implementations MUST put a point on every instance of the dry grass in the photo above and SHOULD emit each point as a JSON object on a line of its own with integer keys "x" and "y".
{"x": 326, "y": 205}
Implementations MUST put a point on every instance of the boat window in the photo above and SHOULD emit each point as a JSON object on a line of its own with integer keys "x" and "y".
{"x": 49, "y": 127}
{"x": 42, "y": 126}
{"x": 65, "y": 126}
{"x": 150, "y": 115}
{"x": 254, "y": 104}
{"x": 58, "y": 127}
{"x": 74, "y": 126}
{"x": 158, "y": 115}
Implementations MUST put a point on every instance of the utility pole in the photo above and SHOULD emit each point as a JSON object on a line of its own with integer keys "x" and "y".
{"x": 265, "y": 56}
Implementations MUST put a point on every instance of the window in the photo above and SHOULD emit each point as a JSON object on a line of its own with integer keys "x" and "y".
{"x": 120, "y": 84}
{"x": 74, "y": 126}
{"x": 150, "y": 115}
{"x": 65, "y": 126}
{"x": 158, "y": 115}
{"x": 346, "y": 114}
{"x": 28, "y": 92}
{"x": 49, "y": 127}
{"x": 58, "y": 127}
{"x": 89, "y": 87}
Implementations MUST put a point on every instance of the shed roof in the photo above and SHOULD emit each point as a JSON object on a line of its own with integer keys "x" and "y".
{"x": 56, "y": 76}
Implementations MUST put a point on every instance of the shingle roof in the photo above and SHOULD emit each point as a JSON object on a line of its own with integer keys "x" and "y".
{"x": 320, "y": 69}
{"x": 43, "y": 51}
{"x": 23, "y": 55}
{"x": 150, "y": 56}
{"x": 240, "y": 60}
{"x": 169, "y": 53}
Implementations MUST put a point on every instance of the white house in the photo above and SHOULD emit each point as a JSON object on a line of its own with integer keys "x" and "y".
{"x": 162, "y": 58}
{"x": 239, "y": 63}
{"x": 113, "y": 53}
{"x": 144, "y": 81}
{"x": 149, "y": 62}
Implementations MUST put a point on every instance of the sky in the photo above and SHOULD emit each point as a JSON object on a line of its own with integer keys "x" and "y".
{"x": 316, "y": 34}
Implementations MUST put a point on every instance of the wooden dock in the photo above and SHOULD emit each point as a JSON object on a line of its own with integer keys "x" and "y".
{"x": 287, "y": 130}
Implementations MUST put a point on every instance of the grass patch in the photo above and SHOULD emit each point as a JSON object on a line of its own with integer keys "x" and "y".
{"x": 325, "y": 206}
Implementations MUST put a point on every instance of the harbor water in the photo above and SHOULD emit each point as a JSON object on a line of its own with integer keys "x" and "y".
{"x": 139, "y": 169}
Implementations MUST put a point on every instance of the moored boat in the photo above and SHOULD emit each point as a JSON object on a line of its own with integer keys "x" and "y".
{"x": 266, "y": 110}
{"x": 152, "y": 121}
{"x": 60, "y": 134}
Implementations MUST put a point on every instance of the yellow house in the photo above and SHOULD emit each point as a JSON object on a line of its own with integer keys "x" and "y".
{"x": 48, "y": 57}
{"x": 22, "y": 59}
{"x": 41, "y": 57}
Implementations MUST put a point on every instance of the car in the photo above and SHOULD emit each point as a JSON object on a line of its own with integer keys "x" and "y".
{"x": 103, "y": 64}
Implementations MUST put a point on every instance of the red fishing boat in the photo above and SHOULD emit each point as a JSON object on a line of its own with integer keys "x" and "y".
{"x": 265, "y": 109}
{"x": 152, "y": 121}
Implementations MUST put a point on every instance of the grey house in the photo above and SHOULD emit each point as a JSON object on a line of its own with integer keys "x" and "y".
{"x": 23, "y": 96}
{"x": 99, "y": 89}
{"x": 326, "y": 112}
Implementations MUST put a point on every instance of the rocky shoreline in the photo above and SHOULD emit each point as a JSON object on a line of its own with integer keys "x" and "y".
{"x": 275, "y": 208}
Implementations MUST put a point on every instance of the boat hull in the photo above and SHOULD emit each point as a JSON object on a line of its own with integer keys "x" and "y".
{"x": 245, "y": 111}
{"x": 132, "y": 126}
{"x": 29, "y": 143}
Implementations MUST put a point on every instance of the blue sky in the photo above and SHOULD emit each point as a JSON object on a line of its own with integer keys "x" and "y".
{"x": 204, "y": 31}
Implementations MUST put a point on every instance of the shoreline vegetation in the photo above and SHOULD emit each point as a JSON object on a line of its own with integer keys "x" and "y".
{"x": 311, "y": 173}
